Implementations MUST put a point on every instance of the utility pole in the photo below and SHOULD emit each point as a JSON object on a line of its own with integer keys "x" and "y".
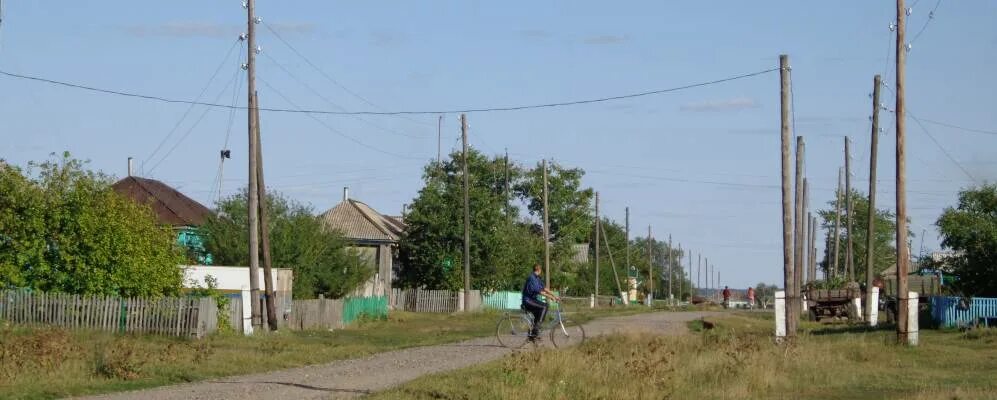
{"x": 609, "y": 250}
{"x": 650, "y": 268}
{"x": 849, "y": 262}
{"x": 813, "y": 249}
{"x": 439, "y": 141}
{"x": 810, "y": 247}
{"x": 264, "y": 225}
{"x": 903, "y": 256}
{"x": 805, "y": 239}
{"x": 508, "y": 210}
{"x": 671, "y": 276}
{"x": 787, "y": 216}
{"x": 707, "y": 280}
{"x": 837, "y": 224}
{"x": 870, "y": 251}
{"x": 253, "y": 205}
{"x": 598, "y": 224}
{"x": 699, "y": 271}
{"x": 627, "y": 238}
{"x": 467, "y": 216}
{"x": 798, "y": 227}
{"x": 690, "y": 276}
{"x": 546, "y": 230}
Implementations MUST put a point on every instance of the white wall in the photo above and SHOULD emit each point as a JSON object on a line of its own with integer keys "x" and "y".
{"x": 234, "y": 278}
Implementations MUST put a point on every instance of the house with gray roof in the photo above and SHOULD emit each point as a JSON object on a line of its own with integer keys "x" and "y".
{"x": 373, "y": 234}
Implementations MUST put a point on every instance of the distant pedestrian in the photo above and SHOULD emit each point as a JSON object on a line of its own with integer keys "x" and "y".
{"x": 726, "y": 297}
{"x": 751, "y": 297}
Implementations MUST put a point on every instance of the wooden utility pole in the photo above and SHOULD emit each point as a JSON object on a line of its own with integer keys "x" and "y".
{"x": 870, "y": 252}
{"x": 602, "y": 229}
{"x": 598, "y": 223}
{"x": 254, "y": 199}
{"x": 508, "y": 209}
{"x": 650, "y": 267}
{"x": 691, "y": 287}
{"x": 671, "y": 277}
{"x": 546, "y": 230}
{"x": 699, "y": 271}
{"x": 805, "y": 242}
{"x": 439, "y": 142}
{"x": 787, "y": 215}
{"x": 798, "y": 227}
{"x": 813, "y": 250}
{"x": 707, "y": 280}
{"x": 467, "y": 216}
{"x": 264, "y": 225}
{"x": 627, "y": 239}
{"x": 903, "y": 255}
{"x": 837, "y": 224}
{"x": 849, "y": 260}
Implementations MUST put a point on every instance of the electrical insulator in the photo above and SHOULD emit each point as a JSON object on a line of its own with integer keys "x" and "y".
{"x": 243, "y": 37}
{"x": 908, "y": 47}
{"x": 245, "y": 4}
{"x": 893, "y": 26}
{"x": 245, "y": 66}
{"x": 259, "y": 20}
{"x": 259, "y": 49}
{"x": 909, "y": 10}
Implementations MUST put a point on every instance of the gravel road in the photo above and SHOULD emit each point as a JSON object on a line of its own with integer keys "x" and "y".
{"x": 356, "y": 377}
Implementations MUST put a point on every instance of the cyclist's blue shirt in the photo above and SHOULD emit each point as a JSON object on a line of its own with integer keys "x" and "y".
{"x": 532, "y": 288}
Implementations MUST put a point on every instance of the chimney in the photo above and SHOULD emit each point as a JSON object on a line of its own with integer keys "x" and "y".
{"x": 346, "y": 193}
{"x": 130, "y": 166}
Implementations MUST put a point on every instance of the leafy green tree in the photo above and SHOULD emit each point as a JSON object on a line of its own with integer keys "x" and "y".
{"x": 502, "y": 248}
{"x": 570, "y": 216}
{"x": 321, "y": 261}
{"x": 885, "y": 255}
{"x": 970, "y": 228}
{"x": 63, "y": 229}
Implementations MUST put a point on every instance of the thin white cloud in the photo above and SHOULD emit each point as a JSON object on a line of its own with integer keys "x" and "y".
{"x": 606, "y": 39}
{"x": 735, "y": 104}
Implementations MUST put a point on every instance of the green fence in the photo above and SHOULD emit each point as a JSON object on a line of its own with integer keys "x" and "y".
{"x": 375, "y": 307}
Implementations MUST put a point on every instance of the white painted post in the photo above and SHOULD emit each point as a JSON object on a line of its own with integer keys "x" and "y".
{"x": 592, "y": 301}
{"x": 649, "y": 299}
{"x": 803, "y": 298}
{"x": 247, "y": 313}
{"x": 912, "y": 318}
{"x": 857, "y": 304}
{"x": 874, "y": 307}
{"x": 624, "y": 297}
{"x": 460, "y": 301}
{"x": 780, "y": 314}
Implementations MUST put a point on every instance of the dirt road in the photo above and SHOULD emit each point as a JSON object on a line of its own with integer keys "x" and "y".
{"x": 356, "y": 377}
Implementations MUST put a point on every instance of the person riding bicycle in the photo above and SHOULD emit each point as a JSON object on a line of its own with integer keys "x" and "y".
{"x": 534, "y": 287}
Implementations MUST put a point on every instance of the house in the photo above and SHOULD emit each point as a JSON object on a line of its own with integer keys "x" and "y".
{"x": 373, "y": 234}
{"x": 171, "y": 208}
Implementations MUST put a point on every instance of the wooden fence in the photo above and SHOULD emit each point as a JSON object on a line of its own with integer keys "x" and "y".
{"x": 439, "y": 301}
{"x": 183, "y": 316}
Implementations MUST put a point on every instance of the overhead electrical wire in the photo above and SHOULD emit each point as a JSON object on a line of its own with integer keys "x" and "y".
{"x": 931, "y": 17}
{"x": 415, "y": 112}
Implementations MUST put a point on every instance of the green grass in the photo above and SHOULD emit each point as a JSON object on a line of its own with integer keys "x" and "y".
{"x": 737, "y": 359}
{"x": 45, "y": 363}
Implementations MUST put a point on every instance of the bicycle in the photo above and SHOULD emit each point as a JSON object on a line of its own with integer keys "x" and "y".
{"x": 513, "y": 329}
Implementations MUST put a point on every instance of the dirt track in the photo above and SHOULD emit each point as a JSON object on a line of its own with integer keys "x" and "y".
{"x": 356, "y": 377}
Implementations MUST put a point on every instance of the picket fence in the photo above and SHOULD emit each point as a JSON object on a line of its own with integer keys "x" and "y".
{"x": 173, "y": 316}
{"x": 947, "y": 312}
{"x": 315, "y": 314}
{"x": 435, "y": 301}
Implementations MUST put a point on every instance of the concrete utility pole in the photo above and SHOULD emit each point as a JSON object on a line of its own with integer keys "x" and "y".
{"x": 668, "y": 262}
{"x": 870, "y": 251}
{"x": 598, "y": 223}
{"x": 849, "y": 260}
{"x": 253, "y": 205}
{"x": 650, "y": 268}
{"x": 903, "y": 255}
{"x": 837, "y": 223}
{"x": 546, "y": 230}
{"x": 467, "y": 217}
{"x": 264, "y": 226}
{"x": 798, "y": 227}
{"x": 792, "y": 316}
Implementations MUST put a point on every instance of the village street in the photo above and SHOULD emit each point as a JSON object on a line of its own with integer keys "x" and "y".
{"x": 356, "y": 377}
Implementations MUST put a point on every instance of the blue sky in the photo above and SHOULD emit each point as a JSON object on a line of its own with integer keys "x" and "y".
{"x": 661, "y": 155}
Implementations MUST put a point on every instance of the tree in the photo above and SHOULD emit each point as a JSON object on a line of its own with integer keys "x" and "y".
{"x": 570, "y": 216}
{"x": 63, "y": 229}
{"x": 884, "y": 240}
{"x": 502, "y": 248}
{"x": 320, "y": 260}
{"x": 970, "y": 229}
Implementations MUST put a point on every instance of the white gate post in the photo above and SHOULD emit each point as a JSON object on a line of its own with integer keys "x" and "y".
{"x": 912, "y": 314}
{"x": 460, "y": 300}
{"x": 873, "y": 307}
{"x": 857, "y": 304}
{"x": 592, "y": 301}
{"x": 780, "y": 314}
{"x": 247, "y": 313}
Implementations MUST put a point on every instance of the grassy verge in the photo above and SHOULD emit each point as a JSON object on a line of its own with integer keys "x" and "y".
{"x": 736, "y": 359}
{"x": 44, "y": 363}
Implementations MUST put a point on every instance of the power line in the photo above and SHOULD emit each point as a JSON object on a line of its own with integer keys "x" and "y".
{"x": 327, "y": 77}
{"x": 948, "y": 125}
{"x": 330, "y": 128}
{"x": 932, "y": 137}
{"x": 191, "y": 107}
{"x": 931, "y": 17}
{"x": 434, "y": 112}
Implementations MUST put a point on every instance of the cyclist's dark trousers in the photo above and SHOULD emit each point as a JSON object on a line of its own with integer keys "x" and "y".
{"x": 539, "y": 310}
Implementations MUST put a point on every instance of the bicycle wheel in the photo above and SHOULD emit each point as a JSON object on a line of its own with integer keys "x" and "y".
{"x": 512, "y": 331}
{"x": 567, "y": 333}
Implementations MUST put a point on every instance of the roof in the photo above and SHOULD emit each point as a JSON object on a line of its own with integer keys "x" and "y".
{"x": 171, "y": 207}
{"x": 358, "y": 221}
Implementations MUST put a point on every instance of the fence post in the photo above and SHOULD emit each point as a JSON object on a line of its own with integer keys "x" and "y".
{"x": 780, "y": 314}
